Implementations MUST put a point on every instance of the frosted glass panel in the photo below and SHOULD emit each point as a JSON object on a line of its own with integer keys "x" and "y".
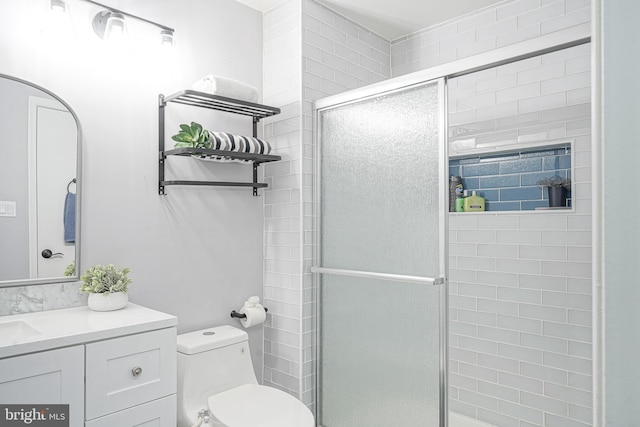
{"x": 380, "y": 184}
{"x": 379, "y": 188}
{"x": 379, "y": 353}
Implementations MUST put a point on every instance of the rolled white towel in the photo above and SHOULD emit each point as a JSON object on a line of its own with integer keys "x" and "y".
{"x": 229, "y": 88}
{"x": 239, "y": 143}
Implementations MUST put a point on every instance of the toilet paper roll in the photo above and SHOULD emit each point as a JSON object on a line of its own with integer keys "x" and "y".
{"x": 255, "y": 316}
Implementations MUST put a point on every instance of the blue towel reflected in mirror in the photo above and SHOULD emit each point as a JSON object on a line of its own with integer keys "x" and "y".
{"x": 70, "y": 218}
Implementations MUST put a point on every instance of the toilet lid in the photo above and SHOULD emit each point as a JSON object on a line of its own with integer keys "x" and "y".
{"x": 253, "y": 405}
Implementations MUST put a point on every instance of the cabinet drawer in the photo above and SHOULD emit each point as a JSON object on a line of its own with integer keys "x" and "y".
{"x": 125, "y": 372}
{"x": 159, "y": 413}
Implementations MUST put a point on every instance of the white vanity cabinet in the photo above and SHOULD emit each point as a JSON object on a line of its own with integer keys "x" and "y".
{"x": 50, "y": 377}
{"x": 132, "y": 380}
{"x": 114, "y": 369}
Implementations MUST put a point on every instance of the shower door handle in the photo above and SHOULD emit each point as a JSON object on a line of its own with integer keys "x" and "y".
{"x": 380, "y": 276}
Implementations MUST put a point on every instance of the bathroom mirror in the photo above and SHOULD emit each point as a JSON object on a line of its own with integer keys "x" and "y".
{"x": 39, "y": 186}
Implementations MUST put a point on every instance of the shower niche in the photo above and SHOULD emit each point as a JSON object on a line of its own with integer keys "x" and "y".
{"x": 519, "y": 178}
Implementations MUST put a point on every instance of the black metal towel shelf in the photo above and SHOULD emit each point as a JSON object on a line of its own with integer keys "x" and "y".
{"x": 237, "y": 315}
{"x": 219, "y": 103}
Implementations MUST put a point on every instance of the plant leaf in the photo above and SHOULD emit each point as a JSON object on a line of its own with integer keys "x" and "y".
{"x": 196, "y": 126}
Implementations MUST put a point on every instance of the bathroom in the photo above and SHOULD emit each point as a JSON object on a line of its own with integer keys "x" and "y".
{"x": 197, "y": 253}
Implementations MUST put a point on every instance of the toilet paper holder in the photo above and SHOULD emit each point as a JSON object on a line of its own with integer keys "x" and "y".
{"x": 237, "y": 315}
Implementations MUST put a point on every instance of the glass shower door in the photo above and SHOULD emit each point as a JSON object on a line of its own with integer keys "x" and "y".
{"x": 381, "y": 260}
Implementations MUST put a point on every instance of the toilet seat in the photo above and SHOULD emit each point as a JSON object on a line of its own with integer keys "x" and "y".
{"x": 253, "y": 405}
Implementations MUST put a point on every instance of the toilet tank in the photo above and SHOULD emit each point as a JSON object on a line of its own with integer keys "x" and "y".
{"x": 210, "y": 361}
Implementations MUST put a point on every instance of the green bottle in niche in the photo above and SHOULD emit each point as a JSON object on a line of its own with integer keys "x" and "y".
{"x": 460, "y": 200}
{"x": 474, "y": 203}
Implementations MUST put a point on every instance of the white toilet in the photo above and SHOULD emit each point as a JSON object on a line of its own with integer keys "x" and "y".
{"x": 215, "y": 374}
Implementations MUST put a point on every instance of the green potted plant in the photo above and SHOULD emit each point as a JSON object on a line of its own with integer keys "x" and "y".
{"x": 192, "y": 136}
{"x": 107, "y": 286}
{"x": 557, "y": 190}
{"x": 70, "y": 270}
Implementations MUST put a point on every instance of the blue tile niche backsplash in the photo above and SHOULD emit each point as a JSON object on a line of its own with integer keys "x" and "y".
{"x": 508, "y": 181}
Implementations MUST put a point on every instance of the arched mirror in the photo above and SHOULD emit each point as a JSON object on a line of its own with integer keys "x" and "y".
{"x": 40, "y": 142}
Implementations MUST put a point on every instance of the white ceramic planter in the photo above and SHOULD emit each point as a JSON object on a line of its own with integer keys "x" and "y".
{"x": 108, "y": 302}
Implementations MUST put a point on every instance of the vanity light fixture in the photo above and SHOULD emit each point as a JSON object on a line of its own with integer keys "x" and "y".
{"x": 109, "y": 24}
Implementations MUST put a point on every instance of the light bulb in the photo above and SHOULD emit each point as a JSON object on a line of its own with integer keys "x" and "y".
{"x": 58, "y": 27}
{"x": 166, "y": 38}
{"x": 58, "y": 6}
{"x": 116, "y": 29}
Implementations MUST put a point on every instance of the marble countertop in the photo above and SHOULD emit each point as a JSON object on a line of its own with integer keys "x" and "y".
{"x": 46, "y": 330}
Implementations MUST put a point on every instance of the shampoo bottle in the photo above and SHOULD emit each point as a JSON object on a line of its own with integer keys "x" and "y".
{"x": 455, "y": 188}
{"x": 474, "y": 203}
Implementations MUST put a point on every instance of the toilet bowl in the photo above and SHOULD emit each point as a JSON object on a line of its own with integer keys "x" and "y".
{"x": 216, "y": 379}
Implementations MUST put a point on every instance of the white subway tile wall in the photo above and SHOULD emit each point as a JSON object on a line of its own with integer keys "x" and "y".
{"x": 520, "y": 283}
{"x": 310, "y": 52}
{"x": 520, "y": 334}
{"x": 535, "y": 319}
{"x": 520, "y": 323}
{"x": 505, "y": 23}
{"x": 539, "y": 99}
{"x": 282, "y": 270}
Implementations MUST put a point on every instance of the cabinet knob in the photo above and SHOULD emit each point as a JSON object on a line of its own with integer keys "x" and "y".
{"x": 137, "y": 371}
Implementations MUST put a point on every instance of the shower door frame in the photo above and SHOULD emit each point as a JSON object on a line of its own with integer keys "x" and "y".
{"x": 518, "y": 51}
{"x": 395, "y": 86}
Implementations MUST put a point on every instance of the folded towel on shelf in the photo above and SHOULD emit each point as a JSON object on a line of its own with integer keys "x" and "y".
{"x": 69, "y": 218}
{"x": 239, "y": 143}
{"x": 226, "y": 87}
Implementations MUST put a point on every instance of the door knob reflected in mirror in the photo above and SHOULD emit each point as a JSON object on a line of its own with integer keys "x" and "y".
{"x": 48, "y": 253}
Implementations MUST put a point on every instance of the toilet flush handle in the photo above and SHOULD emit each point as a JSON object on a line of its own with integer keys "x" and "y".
{"x": 204, "y": 415}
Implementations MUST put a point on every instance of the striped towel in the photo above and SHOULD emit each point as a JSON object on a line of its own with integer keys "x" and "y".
{"x": 242, "y": 144}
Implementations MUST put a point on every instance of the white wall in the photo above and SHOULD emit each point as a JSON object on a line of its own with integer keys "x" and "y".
{"x": 197, "y": 252}
{"x": 621, "y": 109}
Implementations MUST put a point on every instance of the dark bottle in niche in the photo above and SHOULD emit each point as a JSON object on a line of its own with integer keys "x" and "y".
{"x": 455, "y": 191}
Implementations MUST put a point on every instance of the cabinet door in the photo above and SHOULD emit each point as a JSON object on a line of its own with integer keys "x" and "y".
{"x": 128, "y": 371}
{"x": 50, "y": 377}
{"x": 159, "y": 413}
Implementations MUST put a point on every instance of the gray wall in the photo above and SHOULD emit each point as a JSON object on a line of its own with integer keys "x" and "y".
{"x": 197, "y": 252}
{"x": 621, "y": 152}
